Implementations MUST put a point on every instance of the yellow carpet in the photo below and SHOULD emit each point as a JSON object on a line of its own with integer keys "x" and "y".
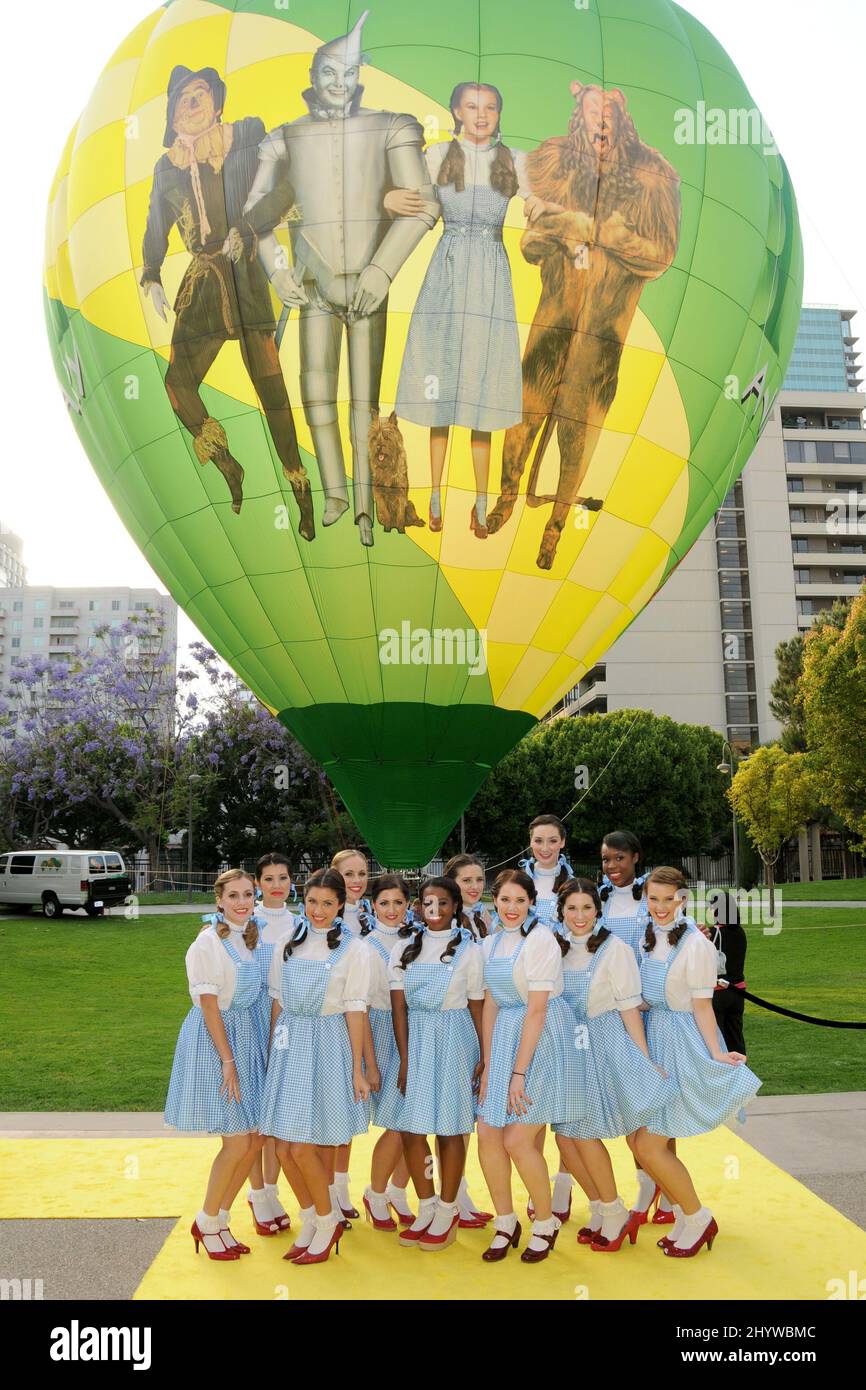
{"x": 777, "y": 1239}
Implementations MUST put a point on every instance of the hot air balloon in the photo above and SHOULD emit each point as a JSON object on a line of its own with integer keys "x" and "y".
{"x": 415, "y": 346}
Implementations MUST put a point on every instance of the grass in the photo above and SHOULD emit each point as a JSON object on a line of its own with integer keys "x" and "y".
{"x": 840, "y": 890}
{"x": 90, "y": 1009}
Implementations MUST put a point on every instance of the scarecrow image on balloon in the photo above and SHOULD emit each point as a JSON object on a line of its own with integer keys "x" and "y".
{"x": 416, "y": 349}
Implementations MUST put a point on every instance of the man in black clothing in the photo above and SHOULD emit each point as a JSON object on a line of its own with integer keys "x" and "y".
{"x": 729, "y": 938}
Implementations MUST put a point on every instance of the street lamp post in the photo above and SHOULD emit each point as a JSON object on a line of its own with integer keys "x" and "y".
{"x": 728, "y": 767}
{"x": 193, "y": 777}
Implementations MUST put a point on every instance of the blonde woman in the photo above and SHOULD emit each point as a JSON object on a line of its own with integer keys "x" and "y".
{"x": 219, "y": 1062}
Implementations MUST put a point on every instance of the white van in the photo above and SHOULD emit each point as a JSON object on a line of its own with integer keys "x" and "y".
{"x": 54, "y": 879}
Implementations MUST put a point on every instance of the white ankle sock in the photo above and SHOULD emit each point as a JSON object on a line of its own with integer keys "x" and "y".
{"x": 272, "y": 1192}
{"x": 436, "y": 502}
{"x": 426, "y": 1212}
{"x": 335, "y": 1201}
{"x": 693, "y": 1228}
{"x": 398, "y": 1199}
{"x": 613, "y": 1217}
{"x": 341, "y": 1182}
{"x": 504, "y": 1226}
{"x": 541, "y": 1229}
{"x": 664, "y": 1204}
{"x": 261, "y": 1205}
{"x": 645, "y": 1192}
{"x": 679, "y": 1223}
{"x": 464, "y": 1201}
{"x": 481, "y": 508}
{"x": 378, "y": 1204}
{"x": 210, "y": 1231}
{"x": 562, "y": 1185}
{"x": 595, "y": 1216}
{"x": 325, "y": 1227}
{"x": 225, "y": 1222}
{"x": 441, "y": 1223}
{"x": 308, "y": 1227}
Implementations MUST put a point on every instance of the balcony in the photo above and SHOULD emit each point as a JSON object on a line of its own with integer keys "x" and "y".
{"x": 829, "y": 500}
{"x": 828, "y": 591}
{"x": 840, "y": 471}
{"x": 830, "y": 559}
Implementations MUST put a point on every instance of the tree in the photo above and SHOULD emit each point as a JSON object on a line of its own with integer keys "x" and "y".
{"x": 786, "y": 696}
{"x": 633, "y": 769}
{"x": 833, "y": 694}
{"x": 774, "y": 794}
{"x": 259, "y": 790}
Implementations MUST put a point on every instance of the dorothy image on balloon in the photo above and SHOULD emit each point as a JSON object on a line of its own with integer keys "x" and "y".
{"x": 463, "y": 335}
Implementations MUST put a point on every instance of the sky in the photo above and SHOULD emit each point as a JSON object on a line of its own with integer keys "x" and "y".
{"x": 804, "y": 63}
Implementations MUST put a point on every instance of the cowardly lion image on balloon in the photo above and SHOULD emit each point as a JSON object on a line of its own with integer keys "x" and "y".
{"x": 610, "y": 223}
{"x": 200, "y": 185}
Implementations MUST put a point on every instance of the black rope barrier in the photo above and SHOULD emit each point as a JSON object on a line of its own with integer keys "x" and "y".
{"x": 801, "y": 1018}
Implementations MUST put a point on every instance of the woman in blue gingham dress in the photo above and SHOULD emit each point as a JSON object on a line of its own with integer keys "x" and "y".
{"x": 622, "y": 888}
{"x": 389, "y": 1174}
{"x": 316, "y": 1095}
{"x": 218, "y": 1069}
{"x": 678, "y": 976}
{"x": 623, "y": 1085}
{"x": 533, "y": 1070}
{"x": 436, "y": 996}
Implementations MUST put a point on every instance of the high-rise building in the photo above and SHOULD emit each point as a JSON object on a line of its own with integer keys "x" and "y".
{"x": 789, "y": 540}
{"x": 825, "y": 356}
{"x": 12, "y": 571}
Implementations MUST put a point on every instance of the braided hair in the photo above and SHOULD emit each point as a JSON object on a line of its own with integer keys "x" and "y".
{"x": 565, "y": 871}
{"x": 628, "y": 843}
{"x": 322, "y": 878}
{"x": 385, "y": 882}
{"x": 597, "y": 937}
{"x": 503, "y": 175}
{"x": 478, "y": 927}
{"x": 673, "y": 878}
{"x": 522, "y": 880}
{"x": 251, "y": 930}
{"x": 413, "y": 950}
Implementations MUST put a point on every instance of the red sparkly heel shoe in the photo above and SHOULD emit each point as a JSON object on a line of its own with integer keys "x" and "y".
{"x": 238, "y": 1245}
{"x": 601, "y": 1245}
{"x": 349, "y": 1214}
{"x": 475, "y": 525}
{"x": 586, "y": 1235}
{"x": 333, "y": 1244}
{"x": 706, "y": 1239}
{"x": 263, "y": 1228}
{"x": 534, "y": 1257}
{"x": 561, "y": 1216}
{"x": 223, "y": 1254}
{"x": 666, "y": 1243}
{"x": 477, "y": 1221}
{"x": 376, "y": 1221}
{"x": 435, "y": 524}
{"x": 663, "y": 1218}
{"x": 494, "y": 1253}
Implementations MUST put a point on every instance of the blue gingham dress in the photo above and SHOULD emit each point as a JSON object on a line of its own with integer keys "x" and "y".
{"x": 463, "y": 330}
{"x": 623, "y": 1088}
{"x": 631, "y": 930}
{"x": 384, "y": 1044}
{"x": 443, "y": 1055}
{"x": 309, "y": 1097}
{"x": 707, "y": 1093}
{"x": 554, "y": 1077}
{"x": 194, "y": 1103}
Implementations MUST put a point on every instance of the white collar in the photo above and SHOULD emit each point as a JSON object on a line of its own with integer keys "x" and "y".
{"x": 386, "y": 931}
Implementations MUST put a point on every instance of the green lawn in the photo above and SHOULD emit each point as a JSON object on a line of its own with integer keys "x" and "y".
{"x": 89, "y": 1011}
{"x": 840, "y": 890}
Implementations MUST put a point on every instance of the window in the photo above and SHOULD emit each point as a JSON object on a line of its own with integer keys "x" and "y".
{"x": 793, "y": 451}
{"x": 115, "y": 605}
{"x": 66, "y": 603}
{"x": 37, "y": 642}
{"x": 741, "y": 709}
{"x": 802, "y": 576}
{"x": 16, "y": 643}
{"x": 114, "y": 863}
{"x": 93, "y": 605}
{"x": 733, "y": 584}
{"x": 798, "y": 514}
{"x": 17, "y": 625}
{"x": 736, "y": 616}
{"x": 18, "y": 606}
{"x": 64, "y": 622}
{"x": 38, "y": 622}
{"x": 858, "y": 453}
{"x": 801, "y": 545}
{"x": 22, "y": 863}
{"x": 796, "y": 485}
{"x": 96, "y": 864}
{"x": 740, "y": 680}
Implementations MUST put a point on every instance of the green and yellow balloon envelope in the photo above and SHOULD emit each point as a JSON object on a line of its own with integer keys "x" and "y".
{"x": 409, "y": 668}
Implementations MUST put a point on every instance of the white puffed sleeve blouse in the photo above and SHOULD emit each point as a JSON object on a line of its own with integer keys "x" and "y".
{"x": 209, "y": 967}
{"x": 466, "y": 970}
{"x": 693, "y": 973}
{"x": 539, "y": 964}
{"x": 348, "y": 985}
{"x": 615, "y": 983}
